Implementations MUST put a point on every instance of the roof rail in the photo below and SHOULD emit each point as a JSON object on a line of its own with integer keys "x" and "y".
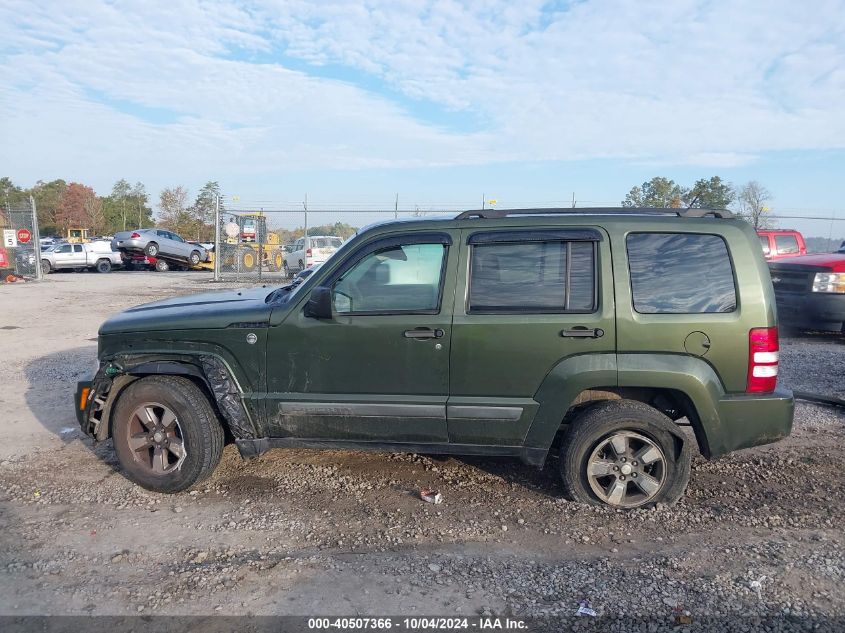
{"x": 489, "y": 214}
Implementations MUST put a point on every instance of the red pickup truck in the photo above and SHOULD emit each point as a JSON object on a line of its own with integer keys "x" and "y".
{"x": 810, "y": 291}
{"x": 781, "y": 243}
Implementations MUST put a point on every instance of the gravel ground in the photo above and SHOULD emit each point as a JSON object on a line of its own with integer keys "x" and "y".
{"x": 757, "y": 540}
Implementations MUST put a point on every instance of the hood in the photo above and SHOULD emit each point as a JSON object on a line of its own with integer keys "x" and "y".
{"x": 210, "y": 310}
{"x": 819, "y": 261}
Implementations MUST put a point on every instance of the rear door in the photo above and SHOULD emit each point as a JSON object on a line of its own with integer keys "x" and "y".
{"x": 525, "y": 301}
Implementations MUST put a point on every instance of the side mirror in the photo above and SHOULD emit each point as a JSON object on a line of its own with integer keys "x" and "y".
{"x": 319, "y": 304}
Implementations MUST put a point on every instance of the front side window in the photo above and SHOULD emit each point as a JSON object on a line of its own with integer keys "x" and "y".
{"x": 680, "y": 273}
{"x": 538, "y": 277}
{"x": 764, "y": 242}
{"x": 64, "y": 249}
{"x": 786, "y": 244}
{"x": 402, "y": 278}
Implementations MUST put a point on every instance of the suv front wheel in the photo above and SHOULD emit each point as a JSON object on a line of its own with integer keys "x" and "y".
{"x": 166, "y": 434}
{"x": 624, "y": 454}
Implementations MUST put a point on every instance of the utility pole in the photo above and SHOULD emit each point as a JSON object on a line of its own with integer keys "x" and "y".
{"x": 217, "y": 250}
{"x": 36, "y": 239}
{"x": 305, "y": 207}
{"x": 573, "y": 199}
{"x": 396, "y": 208}
{"x": 483, "y": 201}
{"x": 124, "y": 212}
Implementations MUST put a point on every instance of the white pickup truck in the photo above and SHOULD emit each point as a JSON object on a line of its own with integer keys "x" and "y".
{"x": 94, "y": 255}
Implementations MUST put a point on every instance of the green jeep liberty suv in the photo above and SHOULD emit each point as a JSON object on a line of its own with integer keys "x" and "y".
{"x": 599, "y": 332}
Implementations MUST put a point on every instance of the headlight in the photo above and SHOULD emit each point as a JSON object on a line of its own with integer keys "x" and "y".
{"x": 829, "y": 282}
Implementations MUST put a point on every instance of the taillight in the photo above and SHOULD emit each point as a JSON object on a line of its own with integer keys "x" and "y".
{"x": 762, "y": 360}
{"x": 135, "y": 235}
{"x": 308, "y": 253}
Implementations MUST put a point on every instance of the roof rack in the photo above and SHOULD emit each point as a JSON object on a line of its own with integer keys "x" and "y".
{"x": 489, "y": 214}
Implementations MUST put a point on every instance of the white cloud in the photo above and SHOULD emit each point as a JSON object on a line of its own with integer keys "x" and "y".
{"x": 174, "y": 89}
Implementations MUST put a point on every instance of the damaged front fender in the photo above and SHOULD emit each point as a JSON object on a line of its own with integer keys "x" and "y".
{"x": 95, "y": 399}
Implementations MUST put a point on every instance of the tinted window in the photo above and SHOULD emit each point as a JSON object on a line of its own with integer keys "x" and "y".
{"x": 786, "y": 244}
{"x": 532, "y": 277}
{"x": 64, "y": 249}
{"x": 764, "y": 241}
{"x": 396, "y": 279}
{"x": 77, "y": 248}
{"x": 680, "y": 273}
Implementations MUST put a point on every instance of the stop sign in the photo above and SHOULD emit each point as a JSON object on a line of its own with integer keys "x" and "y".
{"x": 24, "y": 236}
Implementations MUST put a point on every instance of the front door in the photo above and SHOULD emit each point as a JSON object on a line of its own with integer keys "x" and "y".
{"x": 378, "y": 370}
{"x": 529, "y": 299}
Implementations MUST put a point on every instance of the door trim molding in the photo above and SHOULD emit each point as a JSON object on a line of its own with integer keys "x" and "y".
{"x": 362, "y": 410}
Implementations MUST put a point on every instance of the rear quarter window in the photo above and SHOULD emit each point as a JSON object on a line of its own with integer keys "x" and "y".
{"x": 680, "y": 273}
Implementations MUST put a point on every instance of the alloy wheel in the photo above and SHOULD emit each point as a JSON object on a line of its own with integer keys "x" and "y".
{"x": 626, "y": 469}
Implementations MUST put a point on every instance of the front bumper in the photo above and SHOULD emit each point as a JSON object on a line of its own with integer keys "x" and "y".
{"x": 811, "y": 310}
{"x": 752, "y": 420}
{"x": 82, "y": 401}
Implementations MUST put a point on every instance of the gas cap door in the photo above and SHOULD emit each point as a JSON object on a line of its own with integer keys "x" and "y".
{"x": 697, "y": 343}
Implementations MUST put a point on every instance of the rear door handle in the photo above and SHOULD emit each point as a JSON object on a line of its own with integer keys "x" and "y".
{"x": 579, "y": 331}
{"x": 424, "y": 332}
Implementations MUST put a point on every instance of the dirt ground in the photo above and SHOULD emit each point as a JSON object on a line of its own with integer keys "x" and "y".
{"x": 759, "y": 533}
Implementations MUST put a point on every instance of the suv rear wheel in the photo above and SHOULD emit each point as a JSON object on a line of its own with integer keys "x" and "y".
{"x": 166, "y": 434}
{"x": 624, "y": 454}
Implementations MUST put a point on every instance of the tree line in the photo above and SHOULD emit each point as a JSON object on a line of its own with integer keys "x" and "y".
{"x": 62, "y": 205}
{"x": 750, "y": 200}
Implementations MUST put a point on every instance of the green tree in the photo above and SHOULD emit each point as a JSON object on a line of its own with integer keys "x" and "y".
{"x": 48, "y": 197}
{"x": 712, "y": 193}
{"x": 657, "y": 192}
{"x": 140, "y": 205}
{"x": 204, "y": 210}
{"x": 10, "y": 194}
{"x": 120, "y": 201}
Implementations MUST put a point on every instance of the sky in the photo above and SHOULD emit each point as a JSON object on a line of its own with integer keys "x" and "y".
{"x": 442, "y": 102}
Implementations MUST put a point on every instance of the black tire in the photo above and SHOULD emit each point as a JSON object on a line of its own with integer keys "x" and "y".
{"x": 592, "y": 427}
{"x": 151, "y": 249}
{"x": 249, "y": 259}
{"x": 162, "y": 266}
{"x": 274, "y": 261}
{"x": 46, "y": 268}
{"x": 194, "y": 259}
{"x": 103, "y": 266}
{"x": 301, "y": 266}
{"x": 201, "y": 432}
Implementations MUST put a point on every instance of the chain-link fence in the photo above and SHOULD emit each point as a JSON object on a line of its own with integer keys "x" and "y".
{"x": 257, "y": 244}
{"x": 20, "y": 253}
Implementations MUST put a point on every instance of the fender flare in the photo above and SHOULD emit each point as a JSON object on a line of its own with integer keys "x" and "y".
{"x": 210, "y": 370}
{"x": 692, "y": 377}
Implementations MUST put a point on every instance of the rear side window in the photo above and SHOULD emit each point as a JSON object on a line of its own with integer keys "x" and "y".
{"x": 786, "y": 244}
{"x": 532, "y": 277}
{"x": 680, "y": 273}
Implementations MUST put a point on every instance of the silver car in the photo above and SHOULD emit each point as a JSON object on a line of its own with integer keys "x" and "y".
{"x": 160, "y": 244}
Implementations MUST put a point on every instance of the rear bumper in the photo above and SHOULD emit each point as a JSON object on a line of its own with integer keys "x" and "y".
{"x": 753, "y": 420}
{"x": 812, "y": 311}
{"x": 129, "y": 245}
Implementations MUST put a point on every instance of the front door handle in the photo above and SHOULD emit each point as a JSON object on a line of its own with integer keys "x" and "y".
{"x": 579, "y": 331}
{"x": 424, "y": 332}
